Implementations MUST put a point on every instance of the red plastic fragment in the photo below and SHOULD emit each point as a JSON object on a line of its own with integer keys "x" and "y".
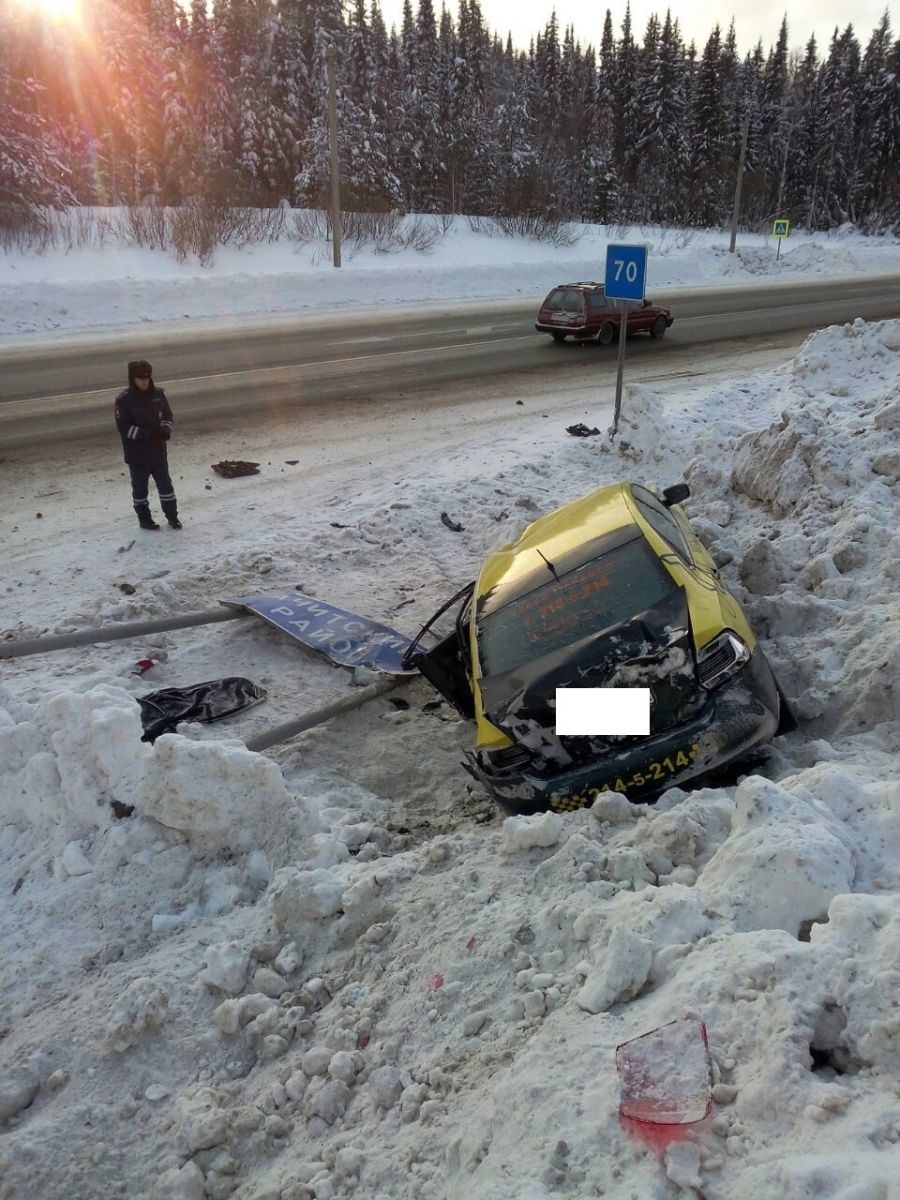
{"x": 666, "y": 1075}
{"x": 437, "y": 981}
{"x": 472, "y": 943}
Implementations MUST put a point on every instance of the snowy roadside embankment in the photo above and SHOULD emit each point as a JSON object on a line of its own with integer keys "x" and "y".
{"x": 261, "y": 984}
{"x": 102, "y": 290}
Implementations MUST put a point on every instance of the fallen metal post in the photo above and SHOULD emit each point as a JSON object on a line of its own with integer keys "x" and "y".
{"x": 283, "y": 733}
{"x": 112, "y": 633}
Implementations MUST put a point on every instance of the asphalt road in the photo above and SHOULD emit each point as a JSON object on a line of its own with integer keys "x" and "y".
{"x": 64, "y": 390}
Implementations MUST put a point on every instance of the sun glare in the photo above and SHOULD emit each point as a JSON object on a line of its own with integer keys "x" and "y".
{"x": 57, "y": 10}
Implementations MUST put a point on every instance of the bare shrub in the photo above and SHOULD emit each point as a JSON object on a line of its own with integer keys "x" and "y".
{"x": 446, "y": 221}
{"x": 76, "y": 227}
{"x": 384, "y": 230}
{"x": 674, "y": 239}
{"x": 379, "y": 228}
{"x": 538, "y": 228}
{"x": 418, "y": 233}
{"x": 145, "y": 227}
{"x": 839, "y": 232}
{"x": 183, "y": 232}
{"x": 266, "y": 224}
{"x": 26, "y": 228}
{"x": 308, "y": 225}
{"x": 482, "y": 225}
{"x": 196, "y": 229}
{"x": 89, "y": 228}
{"x": 200, "y": 226}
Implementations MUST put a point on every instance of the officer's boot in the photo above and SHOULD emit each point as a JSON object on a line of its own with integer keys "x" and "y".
{"x": 170, "y": 511}
{"x": 144, "y": 516}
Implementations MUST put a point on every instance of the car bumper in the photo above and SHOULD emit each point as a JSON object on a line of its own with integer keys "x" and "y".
{"x": 578, "y": 331}
{"x": 741, "y": 714}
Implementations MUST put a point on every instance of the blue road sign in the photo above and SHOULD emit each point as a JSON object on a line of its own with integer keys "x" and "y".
{"x": 626, "y": 272}
{"x": 344, "y": 637}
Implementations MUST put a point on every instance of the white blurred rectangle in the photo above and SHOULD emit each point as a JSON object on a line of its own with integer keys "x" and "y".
{"x": 602, "y": 712}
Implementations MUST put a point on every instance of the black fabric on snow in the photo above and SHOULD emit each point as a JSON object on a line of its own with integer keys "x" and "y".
{"x": 161, "y": 711}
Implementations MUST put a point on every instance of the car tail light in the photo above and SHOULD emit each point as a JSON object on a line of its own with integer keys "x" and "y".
{"x": 721, "y": 658}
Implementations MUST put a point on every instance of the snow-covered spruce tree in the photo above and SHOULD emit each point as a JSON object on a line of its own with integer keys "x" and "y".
{"x": 628, "y": 120}
{"x": 663, "y": 146}
{"x": 776, "y": 112}
{"x": 801, "y": 181}
{"x": 749, "y": 81}
{"x": 367, "y": 181}
{"x": 517, "y": 183}
{"x": 879, "y": 132}
{"x": 842, "y": 192}
{"x": 32, "y": 172}
{"x": 429, "y": 167}
{"x": 706, "y": 181}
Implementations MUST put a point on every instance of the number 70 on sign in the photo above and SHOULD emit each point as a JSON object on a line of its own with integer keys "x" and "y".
{"x": 626, "y": 272}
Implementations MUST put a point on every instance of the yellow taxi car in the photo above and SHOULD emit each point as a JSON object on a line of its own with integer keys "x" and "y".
{"x": 612, "y": 590}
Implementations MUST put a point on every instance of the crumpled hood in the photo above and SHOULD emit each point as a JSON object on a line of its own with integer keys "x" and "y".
{"x": 652, "y": 650}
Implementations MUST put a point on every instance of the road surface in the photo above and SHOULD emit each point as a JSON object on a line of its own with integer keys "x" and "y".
{"x": 50, "y": 391}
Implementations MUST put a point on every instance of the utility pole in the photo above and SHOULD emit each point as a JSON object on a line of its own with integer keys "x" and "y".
{"x": 737, "y": 188}
{"x": 335, "y": 162}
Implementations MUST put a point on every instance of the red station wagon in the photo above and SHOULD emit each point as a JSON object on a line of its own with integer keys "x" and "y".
{"x": 582, "y": 311}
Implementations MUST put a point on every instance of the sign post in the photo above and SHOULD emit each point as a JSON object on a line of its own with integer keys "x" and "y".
{"x": 626, "y": 280}
{"x": 780, "y": 229}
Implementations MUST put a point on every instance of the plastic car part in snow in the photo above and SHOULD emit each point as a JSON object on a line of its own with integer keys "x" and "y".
{"x": 666, "y": 1074}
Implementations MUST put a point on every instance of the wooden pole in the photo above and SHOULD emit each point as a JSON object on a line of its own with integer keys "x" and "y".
{"x": 737, "y": 188}
{"x": 335, "y": 162}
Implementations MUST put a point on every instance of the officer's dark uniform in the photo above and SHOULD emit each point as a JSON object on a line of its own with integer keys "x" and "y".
{"x": 145, "y": 423}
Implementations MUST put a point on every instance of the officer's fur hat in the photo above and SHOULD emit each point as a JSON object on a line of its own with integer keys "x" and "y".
{"x": 139, "y": 366}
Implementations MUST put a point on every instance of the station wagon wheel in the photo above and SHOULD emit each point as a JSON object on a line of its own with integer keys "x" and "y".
{"x": 557, "y": 336}
{"x": 607, "y": 333}
{"x": 659, "y": 327}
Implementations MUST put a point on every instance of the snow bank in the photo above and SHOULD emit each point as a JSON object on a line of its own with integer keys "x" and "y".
{"x": 344, "y": 975}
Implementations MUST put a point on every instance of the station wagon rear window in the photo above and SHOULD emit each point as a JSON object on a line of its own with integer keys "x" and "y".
{"x": 596, "y": 596}
{"x": 565, "y": 298}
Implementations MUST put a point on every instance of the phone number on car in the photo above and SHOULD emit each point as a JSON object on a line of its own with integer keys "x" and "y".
{"x": 654, "y": 772}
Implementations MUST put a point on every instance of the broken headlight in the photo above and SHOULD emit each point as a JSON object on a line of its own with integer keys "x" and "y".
{"x": 721, "y": 658}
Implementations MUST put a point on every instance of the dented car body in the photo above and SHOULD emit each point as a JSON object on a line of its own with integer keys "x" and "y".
{"x": 612, "y": 590}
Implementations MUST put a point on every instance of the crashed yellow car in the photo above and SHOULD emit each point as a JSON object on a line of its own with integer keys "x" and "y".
{"x": 612, "y": 590}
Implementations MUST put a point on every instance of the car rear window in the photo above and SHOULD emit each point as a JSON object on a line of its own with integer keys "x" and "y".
{"x": 565, "y": 298}
{"x": 598, "y": 595}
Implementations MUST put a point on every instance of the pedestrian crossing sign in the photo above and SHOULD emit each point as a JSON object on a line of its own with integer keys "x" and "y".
{"x": 780, "y": 228}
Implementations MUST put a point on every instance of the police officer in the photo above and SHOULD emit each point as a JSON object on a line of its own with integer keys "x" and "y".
{"x": 145, "y": 423}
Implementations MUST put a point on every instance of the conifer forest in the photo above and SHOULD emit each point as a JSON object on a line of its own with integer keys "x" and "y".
{"x": 156, "y": 101}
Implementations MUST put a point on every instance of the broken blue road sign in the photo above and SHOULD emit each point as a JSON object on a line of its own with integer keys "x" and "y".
{"x": 344, "y": 637}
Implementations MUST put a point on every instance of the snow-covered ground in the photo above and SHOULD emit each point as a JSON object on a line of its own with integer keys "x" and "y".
{"x": 100, "y": 290}
{"x": 333, "y": 970}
